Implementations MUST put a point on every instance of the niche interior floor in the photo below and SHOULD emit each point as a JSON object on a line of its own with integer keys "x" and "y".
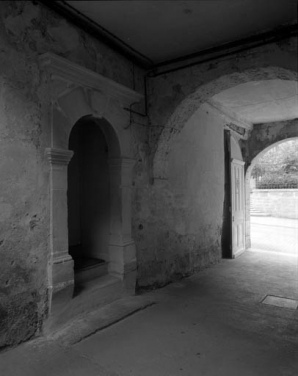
{"x": 213, "y": 324}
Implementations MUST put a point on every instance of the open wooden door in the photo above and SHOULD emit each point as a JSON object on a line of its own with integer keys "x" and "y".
{"x": 237, "y": 207}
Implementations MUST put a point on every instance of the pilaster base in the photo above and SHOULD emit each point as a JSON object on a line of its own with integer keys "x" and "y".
{"x": 62, "y": 282}
{"x": 130, "y": 280}
{"x": 123, "y": 265}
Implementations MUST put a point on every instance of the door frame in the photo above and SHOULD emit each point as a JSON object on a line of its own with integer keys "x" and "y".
{"x": 242, "y": 203}
{"x": 226, "y": 239}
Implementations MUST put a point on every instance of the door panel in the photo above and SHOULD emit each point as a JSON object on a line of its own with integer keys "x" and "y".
{"x": 237, "y": 207}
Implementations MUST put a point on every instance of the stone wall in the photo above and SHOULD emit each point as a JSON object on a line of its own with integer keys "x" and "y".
{"x": 28, "y": 30}
{"x": 280, "y": 203}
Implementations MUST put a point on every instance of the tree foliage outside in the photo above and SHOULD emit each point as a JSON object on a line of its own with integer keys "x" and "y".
{"x": 278, "y": 168}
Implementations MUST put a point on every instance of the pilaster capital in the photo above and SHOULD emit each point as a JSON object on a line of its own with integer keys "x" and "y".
{"x": 58, "y": 156}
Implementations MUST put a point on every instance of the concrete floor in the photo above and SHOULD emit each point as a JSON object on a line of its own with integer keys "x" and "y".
{"x": 210, "y": 324}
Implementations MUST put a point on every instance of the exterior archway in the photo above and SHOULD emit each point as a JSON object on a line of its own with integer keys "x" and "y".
{"x": 252, "y": 151}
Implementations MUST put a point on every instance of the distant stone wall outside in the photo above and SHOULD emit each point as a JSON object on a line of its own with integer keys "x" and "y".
{"x": 282, "y": 203}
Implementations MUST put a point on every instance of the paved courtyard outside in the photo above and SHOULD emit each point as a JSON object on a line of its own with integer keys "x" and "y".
{"x": 274, "y": 234}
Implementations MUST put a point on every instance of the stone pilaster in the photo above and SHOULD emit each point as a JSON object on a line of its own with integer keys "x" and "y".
{"x": 122, "y": 248}
{"x": 61, "y": 274}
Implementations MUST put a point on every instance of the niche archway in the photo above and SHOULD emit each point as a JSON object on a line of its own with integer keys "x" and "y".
{"x": 78, "y": 94}
{"x": 94, "y": 143}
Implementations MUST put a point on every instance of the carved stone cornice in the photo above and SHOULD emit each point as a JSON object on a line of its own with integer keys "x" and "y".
{"x": 75, "y": 75}
{"x": 58, "y": 156}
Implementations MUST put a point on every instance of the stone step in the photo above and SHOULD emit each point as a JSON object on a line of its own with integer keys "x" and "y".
{"x": 90, "y": 295}
{"x": 90, "y": 271}
{"x": 93, "y": 321}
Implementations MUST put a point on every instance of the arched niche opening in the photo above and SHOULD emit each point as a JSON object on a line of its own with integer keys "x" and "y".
{"x": 89, "y": 196}
{"x": 76, "y": 93}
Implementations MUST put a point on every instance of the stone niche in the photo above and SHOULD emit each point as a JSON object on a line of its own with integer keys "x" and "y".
{"x": 78, "y": 93}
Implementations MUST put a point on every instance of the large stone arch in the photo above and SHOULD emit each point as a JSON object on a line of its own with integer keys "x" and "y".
{"x": 190, "y": 105}
{"x": 78, "y": 93}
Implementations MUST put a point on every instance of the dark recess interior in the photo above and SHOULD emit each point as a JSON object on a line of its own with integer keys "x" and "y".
{"x": 88, "y": 196}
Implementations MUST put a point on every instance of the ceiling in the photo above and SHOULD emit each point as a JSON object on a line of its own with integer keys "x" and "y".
{"x": 259, "y": 101}
{"x": 165, "y": 30}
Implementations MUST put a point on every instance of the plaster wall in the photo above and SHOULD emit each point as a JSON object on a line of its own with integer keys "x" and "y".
{"x": 183, "y": 214}
{"x": 26, "y": 31}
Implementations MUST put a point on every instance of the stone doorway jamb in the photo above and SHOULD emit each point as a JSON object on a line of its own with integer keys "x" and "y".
{"x": 61, "y": 273}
